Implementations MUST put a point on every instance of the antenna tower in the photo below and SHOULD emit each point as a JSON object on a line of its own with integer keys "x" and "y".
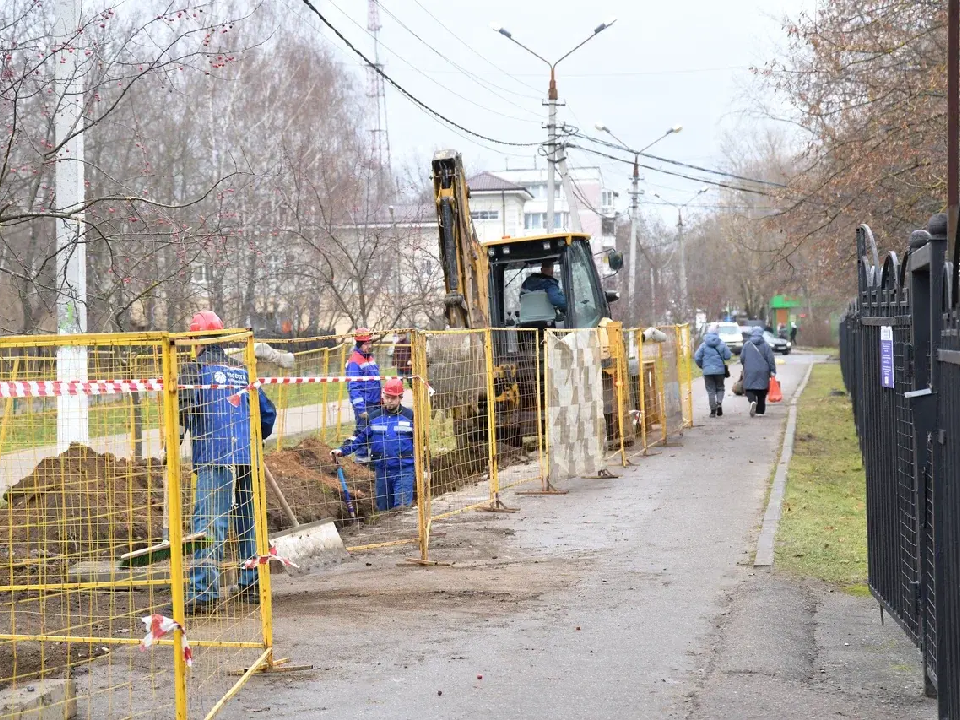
{"x": 380, "y": 138}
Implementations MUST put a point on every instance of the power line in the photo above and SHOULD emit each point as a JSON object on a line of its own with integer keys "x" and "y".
{"x": 417, "y": 70}
{"x": 721, "y": 173}
{"x": 670, "y": 172}
{"x": 403, "y": 91}
{"x": 476, "y": 78}
{"x": 482, "y": 57}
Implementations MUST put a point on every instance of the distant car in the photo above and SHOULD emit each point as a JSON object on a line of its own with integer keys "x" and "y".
{"x": 777, "y": 344}
{"x": 731, "y": 336}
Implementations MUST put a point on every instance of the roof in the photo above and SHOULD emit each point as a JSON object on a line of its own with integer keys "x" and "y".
{"x": 487, "y": 182}
{"x": 568, "y": 236}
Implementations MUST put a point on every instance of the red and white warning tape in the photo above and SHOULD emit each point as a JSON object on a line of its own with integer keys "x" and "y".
{"x": 160, "y": 625}
{"x": 264, "y": 559}
{"x": 57, "y": 388}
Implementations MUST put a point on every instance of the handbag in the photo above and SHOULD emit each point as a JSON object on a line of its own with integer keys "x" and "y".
{"x": 738, "y": 386}
{"x": 726, "y": 368}
{"x": 775, "y": 395}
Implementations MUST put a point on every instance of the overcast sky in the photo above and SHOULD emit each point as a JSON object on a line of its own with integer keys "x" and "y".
{"x": 663, "y": 63}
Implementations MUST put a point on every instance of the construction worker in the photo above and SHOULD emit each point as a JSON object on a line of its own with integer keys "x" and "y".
{"x": 364, "y": 396}
{"x": 389, "y": 436}
{"x": 545, "y": 281}
{"x": 217, "y": 415}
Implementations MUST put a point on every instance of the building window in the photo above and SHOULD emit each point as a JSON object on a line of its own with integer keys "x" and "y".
{"x": 538, "y": 221}
{"x": 539, "y": 190}
{"x": 485, "y": 214}
{"x": 607, "y": 197}
{"x": 200, "y": 274}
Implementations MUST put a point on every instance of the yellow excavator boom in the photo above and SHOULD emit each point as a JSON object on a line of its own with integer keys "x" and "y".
{"x": 464, "y": 261}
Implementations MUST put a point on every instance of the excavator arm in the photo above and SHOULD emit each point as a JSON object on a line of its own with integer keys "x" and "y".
{"x": 465, "y": 265}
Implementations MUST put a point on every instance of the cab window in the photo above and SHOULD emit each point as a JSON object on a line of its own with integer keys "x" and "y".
{"x": 586, "y": 298}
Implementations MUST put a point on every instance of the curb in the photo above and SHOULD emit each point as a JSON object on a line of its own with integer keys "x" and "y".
{"x": 771, "y": 518}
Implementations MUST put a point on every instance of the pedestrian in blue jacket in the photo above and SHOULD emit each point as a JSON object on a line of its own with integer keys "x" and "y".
{"x": 389, "y": 436}
{"x": 365, "y": 395}
{"x": 218, "y": 419}
{"x": 711, "y": 357}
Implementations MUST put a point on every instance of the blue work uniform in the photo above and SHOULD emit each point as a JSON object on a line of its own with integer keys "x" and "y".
{"x": 364, "y": 396}
{"x": 218, "y": 419}
{"x": 389, "y": 437}
{"x": 539, "y": 281}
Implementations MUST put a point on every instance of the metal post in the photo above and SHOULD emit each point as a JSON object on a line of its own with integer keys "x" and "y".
{"x": 953, "y": 135}
{"x": 683, "y": 264}
{"x": 634, "y": 223}
{"x": 572, "y": 204}
{"x": 551, "y": 149}
{"x": 71, "y": 252}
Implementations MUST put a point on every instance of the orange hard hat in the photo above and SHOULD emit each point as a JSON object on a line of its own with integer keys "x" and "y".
{"x": 362, "y": 335}
{"x": 393, "y": 387}
{"x": 206, "y": 320}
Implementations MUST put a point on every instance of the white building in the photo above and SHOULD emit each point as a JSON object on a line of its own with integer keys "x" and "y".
{"x": 514, "y": 202}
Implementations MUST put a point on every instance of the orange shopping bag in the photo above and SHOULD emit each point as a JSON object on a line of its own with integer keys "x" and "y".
{"x": 774, "y": 395}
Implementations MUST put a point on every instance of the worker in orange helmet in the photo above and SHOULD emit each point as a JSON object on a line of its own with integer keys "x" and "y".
{"x": 216, "y": 411}
{"x": 389, "y": 437}
{"x": 364, "y": 394}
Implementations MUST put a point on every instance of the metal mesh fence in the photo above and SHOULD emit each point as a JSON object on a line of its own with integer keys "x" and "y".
{"x": 328, "y": 394}
{"x": 96, "y": 515}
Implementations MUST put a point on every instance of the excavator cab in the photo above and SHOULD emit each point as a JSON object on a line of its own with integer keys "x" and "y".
{"x": 514, "y": 262}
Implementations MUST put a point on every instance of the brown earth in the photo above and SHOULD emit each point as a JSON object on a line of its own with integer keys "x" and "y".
{"x": 79, "y": 505}
{"x": 307, "y": 477}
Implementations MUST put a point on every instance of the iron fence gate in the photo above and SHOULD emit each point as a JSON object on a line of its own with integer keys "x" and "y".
{"x": 900, "y": 359}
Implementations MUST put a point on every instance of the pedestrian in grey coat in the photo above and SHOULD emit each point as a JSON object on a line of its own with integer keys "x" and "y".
{"x": 711, "y": 357}
{"x": 758, "y": 366}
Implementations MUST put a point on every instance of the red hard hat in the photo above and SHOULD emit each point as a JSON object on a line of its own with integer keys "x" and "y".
{"x": 362, "y": 335}
{"x": 393, "y": 387}
{"x": 206, "y": 320}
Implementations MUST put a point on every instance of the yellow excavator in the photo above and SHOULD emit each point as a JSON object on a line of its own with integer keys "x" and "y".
{"x": 483, "y": 289}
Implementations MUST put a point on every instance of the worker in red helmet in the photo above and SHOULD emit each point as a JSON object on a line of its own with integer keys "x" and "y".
{"x": 389, "y": 437}
{"x": 365, "y": 394}
{"x": 216, "y": 412}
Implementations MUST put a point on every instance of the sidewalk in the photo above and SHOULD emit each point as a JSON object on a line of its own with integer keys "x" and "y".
{"x": 631, "y": 597}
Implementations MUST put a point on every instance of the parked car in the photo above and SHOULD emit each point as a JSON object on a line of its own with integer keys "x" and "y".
{"x": 777, "y": 344}
{"x": 731, "y": 336}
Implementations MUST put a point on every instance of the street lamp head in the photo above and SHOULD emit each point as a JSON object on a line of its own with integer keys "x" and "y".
{"x": 702, "y": 190}
{"x": 601, "y": 127}
{"x": 502, "y": 30}
{"x": 675, "y": 129}
{"x": 604, "y": 25}
{"x": 657, "y": 196}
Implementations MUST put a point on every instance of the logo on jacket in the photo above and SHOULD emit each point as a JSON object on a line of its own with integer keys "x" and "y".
{"x": 220, "y": 377}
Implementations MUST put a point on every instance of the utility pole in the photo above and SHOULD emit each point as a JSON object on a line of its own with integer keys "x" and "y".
{"x": 635, "y": 209}
{"x": 71, "y": 251}
{"x": 634, "y": 229}
{"x": 551, "y": 103}
{"x": 683, "y": 258}
{"x": 572, "y": 203}
{"x": 683, "y": 266}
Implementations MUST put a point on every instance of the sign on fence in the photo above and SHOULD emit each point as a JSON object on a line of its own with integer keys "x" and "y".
{"x": 886, "y": 357}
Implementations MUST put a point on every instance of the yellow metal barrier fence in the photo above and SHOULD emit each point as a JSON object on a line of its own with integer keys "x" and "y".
{"x": 96, "y": 517}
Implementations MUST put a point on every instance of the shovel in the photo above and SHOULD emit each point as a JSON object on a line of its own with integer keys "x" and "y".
{"x": 301, "y": 543}
{"x": 346, "y": 491}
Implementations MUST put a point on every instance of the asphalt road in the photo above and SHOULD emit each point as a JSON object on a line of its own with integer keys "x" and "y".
{"x": 631, "y": 597}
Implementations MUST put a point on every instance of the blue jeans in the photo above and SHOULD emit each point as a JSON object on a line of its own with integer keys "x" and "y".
{"x": 394, "y": 484}
{"x": 219, "y": 499}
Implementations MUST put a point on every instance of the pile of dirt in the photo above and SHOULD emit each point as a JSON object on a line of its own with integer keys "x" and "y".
{"x": 307, "y": 476}
{"x": 81, "y": 504}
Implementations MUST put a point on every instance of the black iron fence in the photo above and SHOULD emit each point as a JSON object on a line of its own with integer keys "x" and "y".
{"x": 900, "y": 357}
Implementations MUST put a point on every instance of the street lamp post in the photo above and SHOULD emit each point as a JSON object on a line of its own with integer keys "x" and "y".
{"x": 551, "y": 103}
{"x": 635, "y": 210}
{"x": 683, "y": 259}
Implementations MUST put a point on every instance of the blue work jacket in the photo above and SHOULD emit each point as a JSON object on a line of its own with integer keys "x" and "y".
{"x": 366, "y": 392}
{"x": 389, "y": 436}
{"x": 219, "y": 418}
